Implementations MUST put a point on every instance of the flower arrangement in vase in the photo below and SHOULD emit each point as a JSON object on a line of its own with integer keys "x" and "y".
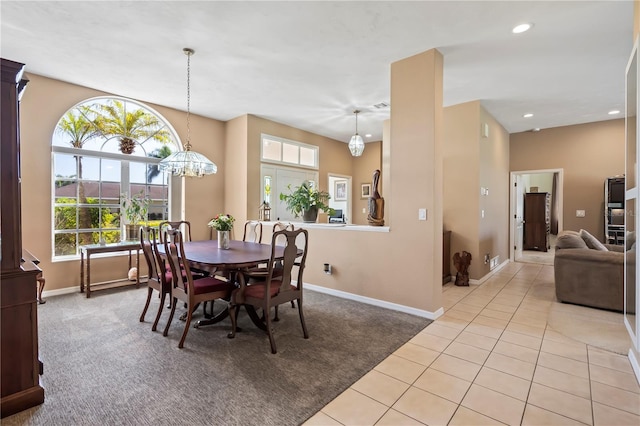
{"x": 223, "y": 223}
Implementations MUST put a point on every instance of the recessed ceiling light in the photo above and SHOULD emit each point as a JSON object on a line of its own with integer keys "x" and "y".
{"x": 528, "y": 115}
{"x": 368, "y": 135}
{"x": 614, "y": 112}
{"x": 521, "y": 28}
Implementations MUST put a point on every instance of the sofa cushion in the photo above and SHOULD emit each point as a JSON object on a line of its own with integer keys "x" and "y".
{"x": 591, "y": 241}
{"x": 570, "y": 239}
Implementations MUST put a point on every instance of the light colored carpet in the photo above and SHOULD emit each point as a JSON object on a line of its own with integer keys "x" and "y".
{"x": 104, "y": 367}
{"x": 595, "y": 327}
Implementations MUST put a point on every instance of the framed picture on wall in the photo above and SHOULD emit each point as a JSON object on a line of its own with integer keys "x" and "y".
{"x": 340, "y": 190}
{"x": 366, "y": 190}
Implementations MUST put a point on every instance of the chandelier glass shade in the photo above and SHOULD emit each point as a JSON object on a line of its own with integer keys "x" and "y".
{"x": 188, "y": 163}
{"x": 356, "y": 144}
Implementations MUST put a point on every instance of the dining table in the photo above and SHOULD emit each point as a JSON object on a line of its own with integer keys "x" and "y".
{"x": 205, "y": 255}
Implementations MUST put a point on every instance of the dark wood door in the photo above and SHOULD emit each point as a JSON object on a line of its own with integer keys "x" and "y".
{"x": 536, "y": 221}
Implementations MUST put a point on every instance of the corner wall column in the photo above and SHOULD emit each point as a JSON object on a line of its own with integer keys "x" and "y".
{"x": 416, "y": 167}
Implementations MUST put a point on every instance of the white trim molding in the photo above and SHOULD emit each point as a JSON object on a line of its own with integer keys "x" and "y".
{"x": 376, "y": 302}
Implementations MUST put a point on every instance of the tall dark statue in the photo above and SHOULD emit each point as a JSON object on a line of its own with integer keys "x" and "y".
{"x": 376, "y": 203}
{"x": 462, "y": 262}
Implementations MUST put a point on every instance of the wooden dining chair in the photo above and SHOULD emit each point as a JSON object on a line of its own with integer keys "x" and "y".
{"x": 159, "y": 278}
{"x": 184, "y": 287}
{"x": 279, "y": 226}
{"x": 252, "y": 231}
{"x": 277, "y": 287}
{"x": 183, "y": 225}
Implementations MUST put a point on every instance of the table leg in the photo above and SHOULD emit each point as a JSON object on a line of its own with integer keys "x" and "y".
{"x": 137, "y": 268}
{"x": 88, "y": 275}
{"x": 255, "y": 318}
{"x": 215, "y": 319}
{"x": 81, "y": 271}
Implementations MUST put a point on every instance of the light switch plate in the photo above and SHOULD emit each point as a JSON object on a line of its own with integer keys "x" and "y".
{"x": 422, "y": 214}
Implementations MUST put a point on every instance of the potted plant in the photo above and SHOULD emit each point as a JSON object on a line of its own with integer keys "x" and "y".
{"x": 307, "y": 201}
{"x": 134, "y": 210}
{"x": 223, "y": 223}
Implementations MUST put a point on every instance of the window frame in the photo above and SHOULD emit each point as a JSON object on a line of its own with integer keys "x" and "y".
{"x": 283, "y": 142}
{"x": 124, "y": 181}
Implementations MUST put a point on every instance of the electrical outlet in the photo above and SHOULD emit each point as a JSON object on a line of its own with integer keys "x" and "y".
{"x": 580, "y": 213}
{"x": 494, "y": 262}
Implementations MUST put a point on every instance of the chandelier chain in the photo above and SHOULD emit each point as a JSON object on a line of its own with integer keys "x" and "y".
{"x": 188, "y": 147}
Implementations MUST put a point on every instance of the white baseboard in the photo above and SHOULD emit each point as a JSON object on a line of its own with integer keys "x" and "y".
{"x": 376, "y": 302}
{"x": 490, "y": 274}
{"x": 634, "y": 364}
{"x": 60, "y": 291}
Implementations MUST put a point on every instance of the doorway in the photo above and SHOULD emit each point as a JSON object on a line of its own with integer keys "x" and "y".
{"x": 532, "y": 181}
{"x": 341, "y": 196}
{"x": 276, "y": 180}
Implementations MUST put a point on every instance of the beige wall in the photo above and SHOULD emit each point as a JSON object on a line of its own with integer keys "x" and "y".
{"x": 416, "y": 177}
{"x": 237, "y": 181}
{"x": 636, "y": 18}
{"x": 471, "y": 162}
{"x": 461, "y": 202}
{"x": 494, "y": 175}
{"x": 43, "y": 104}
{"x": 588, "y": 154}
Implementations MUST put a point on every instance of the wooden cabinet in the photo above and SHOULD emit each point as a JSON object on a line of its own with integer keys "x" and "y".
{"x": 537, "y": 219}
{"x": 446, "y": 257}
{"x": 20, "y": 368}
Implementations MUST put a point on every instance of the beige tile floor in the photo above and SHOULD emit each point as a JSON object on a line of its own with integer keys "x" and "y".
{"x": 493, "y": 359}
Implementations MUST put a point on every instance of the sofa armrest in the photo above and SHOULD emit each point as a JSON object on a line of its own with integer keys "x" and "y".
{"x": 615, "y": 247}
{"x": 590, "y": 277}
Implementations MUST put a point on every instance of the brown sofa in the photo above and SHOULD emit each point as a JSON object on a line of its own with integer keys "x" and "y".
{"x": 588, "y": 276}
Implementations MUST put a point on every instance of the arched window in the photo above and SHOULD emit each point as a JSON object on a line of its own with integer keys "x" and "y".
{"x": 104, "y": 149}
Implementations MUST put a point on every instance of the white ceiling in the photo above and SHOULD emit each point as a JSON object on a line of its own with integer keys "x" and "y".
{"x": 310, "y": 64}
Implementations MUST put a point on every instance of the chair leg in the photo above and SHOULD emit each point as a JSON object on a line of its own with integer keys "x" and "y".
{"x": 41, "y": 282}
{"x": 186, "y": 328}
{"x": 155, "y": 323}
{"x": 146, "y": 305}
{"x": 174, "y": 302}
{"x": 304, "y": 326}
{"x": 269, "y": 330}
{"x": 275, "y": 318}
{"x": 293, "y": 304}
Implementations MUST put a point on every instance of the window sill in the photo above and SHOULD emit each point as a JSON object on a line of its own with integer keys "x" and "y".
{"x": 337, "y": 226}
{"x": 75, "y": 258}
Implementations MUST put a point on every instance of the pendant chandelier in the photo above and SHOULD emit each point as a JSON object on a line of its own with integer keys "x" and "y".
{"x": 356, "y": 144}
{"x": 188, "y": 163}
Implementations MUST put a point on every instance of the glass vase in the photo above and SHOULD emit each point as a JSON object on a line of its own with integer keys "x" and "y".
{"x": 223, "y": 240}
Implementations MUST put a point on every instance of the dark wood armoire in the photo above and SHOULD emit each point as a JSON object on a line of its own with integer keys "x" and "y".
{"x": 20, "y": 368}
{"x": 537, "y": 219}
